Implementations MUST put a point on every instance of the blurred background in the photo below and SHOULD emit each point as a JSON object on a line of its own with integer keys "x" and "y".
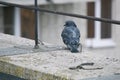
{"x": 96, "y": 36}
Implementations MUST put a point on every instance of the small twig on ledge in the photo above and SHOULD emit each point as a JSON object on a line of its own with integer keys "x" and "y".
{"x": 81, "y": 66}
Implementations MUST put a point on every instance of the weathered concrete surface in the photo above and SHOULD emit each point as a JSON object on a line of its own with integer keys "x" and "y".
{"x": 52, "y": 65}
{"x": 4, "y": 76}
{"x": 110, "y": 77}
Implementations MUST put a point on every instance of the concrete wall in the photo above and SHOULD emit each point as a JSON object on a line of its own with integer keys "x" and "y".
{"x": 1, "y": 19}
{"x": 115, "y": 33}
{"x": 116, "y": 16}
{"x": 43, "y": 2}
{"x": 51, "y": 25}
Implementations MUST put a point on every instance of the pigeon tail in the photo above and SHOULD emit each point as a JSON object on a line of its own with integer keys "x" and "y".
{"x": 74, "y": 51}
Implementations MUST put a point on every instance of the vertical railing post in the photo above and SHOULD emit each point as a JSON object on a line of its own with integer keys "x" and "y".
{"x": 36, "y": 26}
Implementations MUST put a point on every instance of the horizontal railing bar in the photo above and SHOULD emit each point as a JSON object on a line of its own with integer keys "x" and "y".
{"x": 62, "y": 13}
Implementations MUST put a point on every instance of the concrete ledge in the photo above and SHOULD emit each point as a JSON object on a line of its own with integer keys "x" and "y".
{"x": 26, "y": 73}
{"x": 34, "y": 64}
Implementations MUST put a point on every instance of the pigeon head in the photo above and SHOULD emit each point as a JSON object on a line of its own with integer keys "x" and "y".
{"x": 70, "y": 23}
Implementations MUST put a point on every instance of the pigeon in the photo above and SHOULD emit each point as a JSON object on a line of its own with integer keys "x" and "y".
{"x": 71, "y": 36}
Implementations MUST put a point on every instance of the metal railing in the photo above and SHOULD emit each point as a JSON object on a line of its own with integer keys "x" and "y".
{"x": 36, "y": 9}
{"x": 36, "y": 26}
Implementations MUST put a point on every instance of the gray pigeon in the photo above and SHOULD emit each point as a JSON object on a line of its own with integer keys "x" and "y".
{"x": 71, "y": 36}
